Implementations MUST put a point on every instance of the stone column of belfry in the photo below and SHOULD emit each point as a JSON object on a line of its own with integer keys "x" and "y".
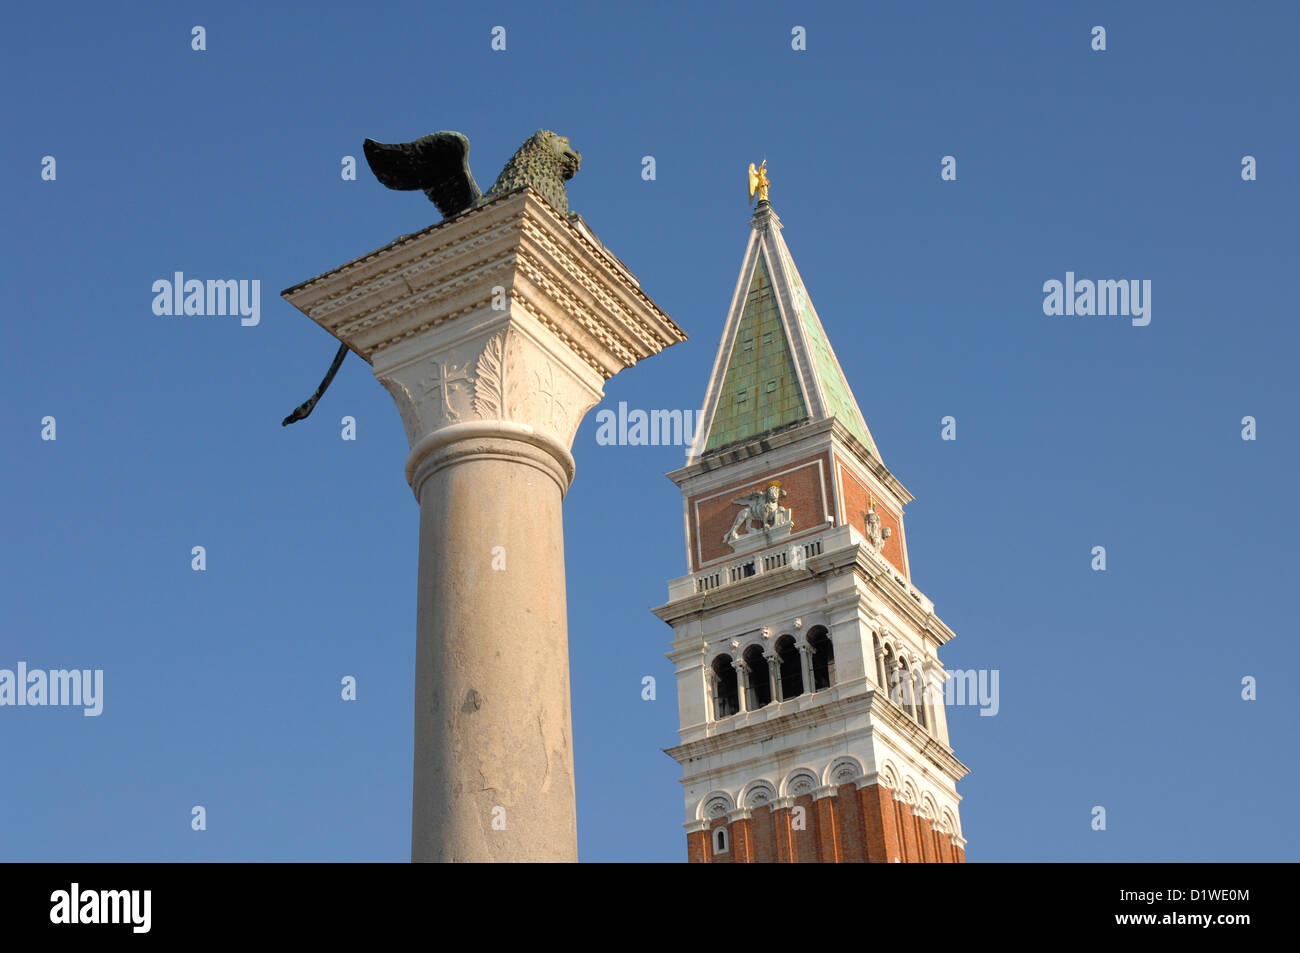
{"x": 494, "y": 332}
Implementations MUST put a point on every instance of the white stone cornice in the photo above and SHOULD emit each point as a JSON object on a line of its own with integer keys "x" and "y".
{"x": 728, "y": 738}
{"x": 937, "y": 753}
{"x": 844, "y": 550}
{"x": 830, "y": 432}
{"x": 548, "y": 265}
{"x": 826, "y": 790}
{"x": 739, "y": 814}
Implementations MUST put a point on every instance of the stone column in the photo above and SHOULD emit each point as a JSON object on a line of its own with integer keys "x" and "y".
{"x": 493, "y": 332}
{"x": 773, "y": 676}
{"x": 805, "y": 662}
{"x": 742, "y": 683}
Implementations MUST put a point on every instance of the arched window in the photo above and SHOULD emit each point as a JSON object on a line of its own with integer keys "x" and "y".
{"x": 823, "y": 658}
{"x": 760, "y": 680}
{"x": 726, "y": 697}
{"x": 720, "y": 845}
{"x": 922, "y": 701}
{"x": 791, "y": 667}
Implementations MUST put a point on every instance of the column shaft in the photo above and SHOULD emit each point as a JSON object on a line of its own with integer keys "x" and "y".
{"x": 493, "y": 762}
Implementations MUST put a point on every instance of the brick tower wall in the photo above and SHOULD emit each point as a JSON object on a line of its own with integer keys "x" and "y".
{"x": 854, "y": 825}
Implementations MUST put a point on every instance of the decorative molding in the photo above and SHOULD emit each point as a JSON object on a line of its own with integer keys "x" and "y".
{"x": 549, "y": 264}
{"x": 489, "y": 383}
{"x": 801, "y": 781}
{"x": 406, "y": 407}
{"x": 758, "y": 793}
{"x": 715, "y": 805}
{"x": 887, "y": 775}
{"x": 843, "y": 770}
{"x": 726, "y": 738}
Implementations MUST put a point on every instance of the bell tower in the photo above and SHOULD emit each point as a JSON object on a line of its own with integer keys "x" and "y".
{"x": 809, "y": 687}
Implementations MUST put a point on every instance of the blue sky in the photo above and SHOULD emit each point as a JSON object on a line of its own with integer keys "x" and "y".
{"x": 1120, "y": 689}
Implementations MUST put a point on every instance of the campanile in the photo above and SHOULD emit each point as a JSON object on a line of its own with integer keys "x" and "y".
{"x": 809, "y": 687}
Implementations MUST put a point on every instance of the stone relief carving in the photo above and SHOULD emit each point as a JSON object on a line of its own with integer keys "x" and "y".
{"x": 843, "y": 771}
{"x": 506, "y": 377}
{"x": 800, "y": 784}
{"x": 763, "y": 509}
{"x": 489, "y": 386}
{"x": 717, "y": 807}
{"x": 875, "y": 535}
{"x": 405, "y": 407}
{"x": 555, "y": 414}
{"x": 447, "y": 380}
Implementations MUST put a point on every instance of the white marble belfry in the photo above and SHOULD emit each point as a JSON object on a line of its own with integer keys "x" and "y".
{"x": 494, "y": 332}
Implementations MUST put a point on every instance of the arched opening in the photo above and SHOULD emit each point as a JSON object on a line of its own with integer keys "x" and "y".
{"x": 890, "y": 684}
{"x": 922, "y": 701}
{"x": 720, "y": 843}
{"x": 760, "y": 680}
{"x": 906, "y": 698}
{"x": 823, "y": 658}
{"x": 898, "y": 680}
{"x": 791, "y": 667}
{"x": 726, "y": 696}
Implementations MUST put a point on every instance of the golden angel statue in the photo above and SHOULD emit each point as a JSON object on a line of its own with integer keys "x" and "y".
{"x": 758, "y": 181}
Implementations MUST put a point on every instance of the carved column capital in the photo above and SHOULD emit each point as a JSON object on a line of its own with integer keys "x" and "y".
{"x": 504, "y": 321}
{"x": 502, "y": 382}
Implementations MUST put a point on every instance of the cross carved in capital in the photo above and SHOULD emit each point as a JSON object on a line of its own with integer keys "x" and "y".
{"x": 446, "y": 376}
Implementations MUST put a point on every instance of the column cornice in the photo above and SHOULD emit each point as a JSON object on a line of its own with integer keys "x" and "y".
{"x": 550, "y": 266}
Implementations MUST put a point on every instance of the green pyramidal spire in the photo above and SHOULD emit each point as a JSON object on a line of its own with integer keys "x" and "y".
{"x": 760, "y": 390}
{"x": 775, "y": 366}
